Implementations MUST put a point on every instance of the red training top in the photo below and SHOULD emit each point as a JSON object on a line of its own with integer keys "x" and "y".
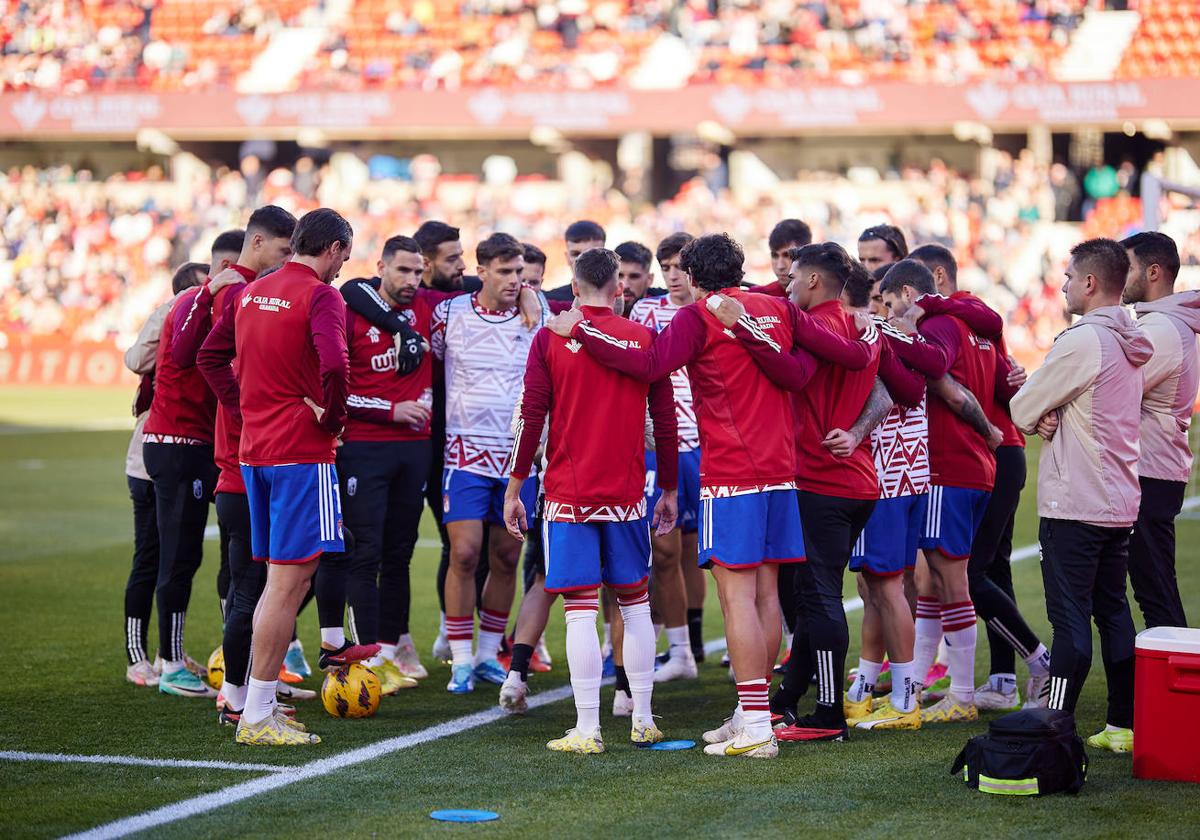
{"x": 596, "y": 468}
{"x": 958, "y": 456}
{"x": 289, "y": 336}
{"x": 184, "y": 407}
{"x": 206, "y": 310}
{"x": 830, "y": 397}
{"x": 744, "y": 419}
{"x": 987, "y": 323}
{"x": 374, "y": 387}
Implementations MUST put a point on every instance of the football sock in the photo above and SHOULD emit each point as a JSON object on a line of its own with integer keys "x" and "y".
{"x": 638, "y": 651}
{"x": 756, "y": 712}
{"x": 260, "y": 700}
{"x": 521, "y": 654}
{"x": 405, "y": 641}
{"x": 695, "y": 625}
{"x": 904, "y": 693}
{"x": 235, "y": 696}
{"x": 679, "y": 641}
{"x": 460, "y": 630}
{"x": 492, "y": 625}
{"x": 864, "y": 681}
{"x": 583, "y": 660}
{"x": 441, "y": 624}
{"x": 170, "y": 666}
{"x": 1038, "y": 662}
{"x": 928, "y": 635}
{"x": 375, "y": 661}
{"x": 958, "y": 627}
{"x": 387, "y": 650}
{"x": 333, "y": 637}
{"x": 1004, "y": 683}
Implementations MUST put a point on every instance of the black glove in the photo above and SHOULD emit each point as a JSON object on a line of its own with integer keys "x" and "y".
{"x": 410, "y": 349}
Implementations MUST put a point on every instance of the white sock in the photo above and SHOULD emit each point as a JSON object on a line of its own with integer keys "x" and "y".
{"x": 294, "y": 644}
{"x": 375, "y": 661}
{"x": 235, "y": 696}
{"x": 904, "y": 692}
{"x": 513, "y": 678}
{"x": 170, "y": 666}
{"x": 387, "y": 651}
{"x": 638, "y": 650}
{"x": 943, "y": 656}
{"x": 678, "y": 641}
{"x": 260, "y": 700}
{"x": 584, "y": 661}
{"x": 333, "y": 637}
{"x": 1004, "y": 683}
{"x": 1108, "y": 727}
{"x": 441, "y": 624}
{"x": 960, "y": 631}
{"x": 864, "y": 681}
{"x": 1038, "y": 662}
{"x": 928, "y": 636}
{"x": 489, "y": 645}
{"x": 405, "y": 641}
{"x": 756, "y": 713}
{"x": 460, "y": 652}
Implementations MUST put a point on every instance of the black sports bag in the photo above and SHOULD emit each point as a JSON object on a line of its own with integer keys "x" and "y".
{"x": 1025, "y": 753}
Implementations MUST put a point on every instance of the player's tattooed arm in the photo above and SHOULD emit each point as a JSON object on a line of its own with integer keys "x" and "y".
{"x": 843, "y": 442}
{"x": 963, "y": 403}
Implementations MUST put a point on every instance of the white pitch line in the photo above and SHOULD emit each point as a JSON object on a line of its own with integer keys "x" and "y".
{"x": 135, "y": 761}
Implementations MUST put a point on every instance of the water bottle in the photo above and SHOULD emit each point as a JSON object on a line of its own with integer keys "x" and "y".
{"x": 426, "y": 401}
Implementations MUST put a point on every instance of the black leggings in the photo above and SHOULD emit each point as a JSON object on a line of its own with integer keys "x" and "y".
{"x": 184, "y": 479}
{"x": 989, "y": 570}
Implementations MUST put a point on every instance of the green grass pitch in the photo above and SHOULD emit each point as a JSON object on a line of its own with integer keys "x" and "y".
{"x": 65, "y": 534}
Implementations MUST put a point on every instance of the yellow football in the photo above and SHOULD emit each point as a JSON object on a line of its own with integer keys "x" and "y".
{"x": 352, "y": 692}
{"x": 216, "y": 668}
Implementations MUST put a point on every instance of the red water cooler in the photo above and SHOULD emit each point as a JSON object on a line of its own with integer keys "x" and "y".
{"x": 1166, "y": 735}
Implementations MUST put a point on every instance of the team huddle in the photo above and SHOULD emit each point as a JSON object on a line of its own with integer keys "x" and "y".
{"x": 853, "y": 413}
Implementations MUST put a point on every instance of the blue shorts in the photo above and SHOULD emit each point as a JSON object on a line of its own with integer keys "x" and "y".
{"x": 582, "y": 555}
{"x": 888, "y": 545}
{"x": 952, "y": 520}
{"x": 689, "y": 488}
{"x": 295, "y": 512}
{"x": 742, "y": 532}
{"x": 467, "y": 496}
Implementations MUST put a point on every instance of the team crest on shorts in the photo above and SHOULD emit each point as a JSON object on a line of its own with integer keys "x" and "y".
{"x": 351, "y": 485}
{"x": 198, "y": 489}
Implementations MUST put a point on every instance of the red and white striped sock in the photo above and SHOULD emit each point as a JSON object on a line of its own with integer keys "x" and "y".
{"x": 928, "y": 636}
{"x": 583, "y": 659}
{"x": 958, "y": 626}
{"x": 638, "y": 649}
{"x": 460, "y": 631}
{"x": 756, "y": 708}
{"x": 492, "y": 625}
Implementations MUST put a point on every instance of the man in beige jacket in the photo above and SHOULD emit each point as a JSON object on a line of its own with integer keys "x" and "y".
{"x": 1085, "y": 400}
{"x": 1171, "y": 378}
